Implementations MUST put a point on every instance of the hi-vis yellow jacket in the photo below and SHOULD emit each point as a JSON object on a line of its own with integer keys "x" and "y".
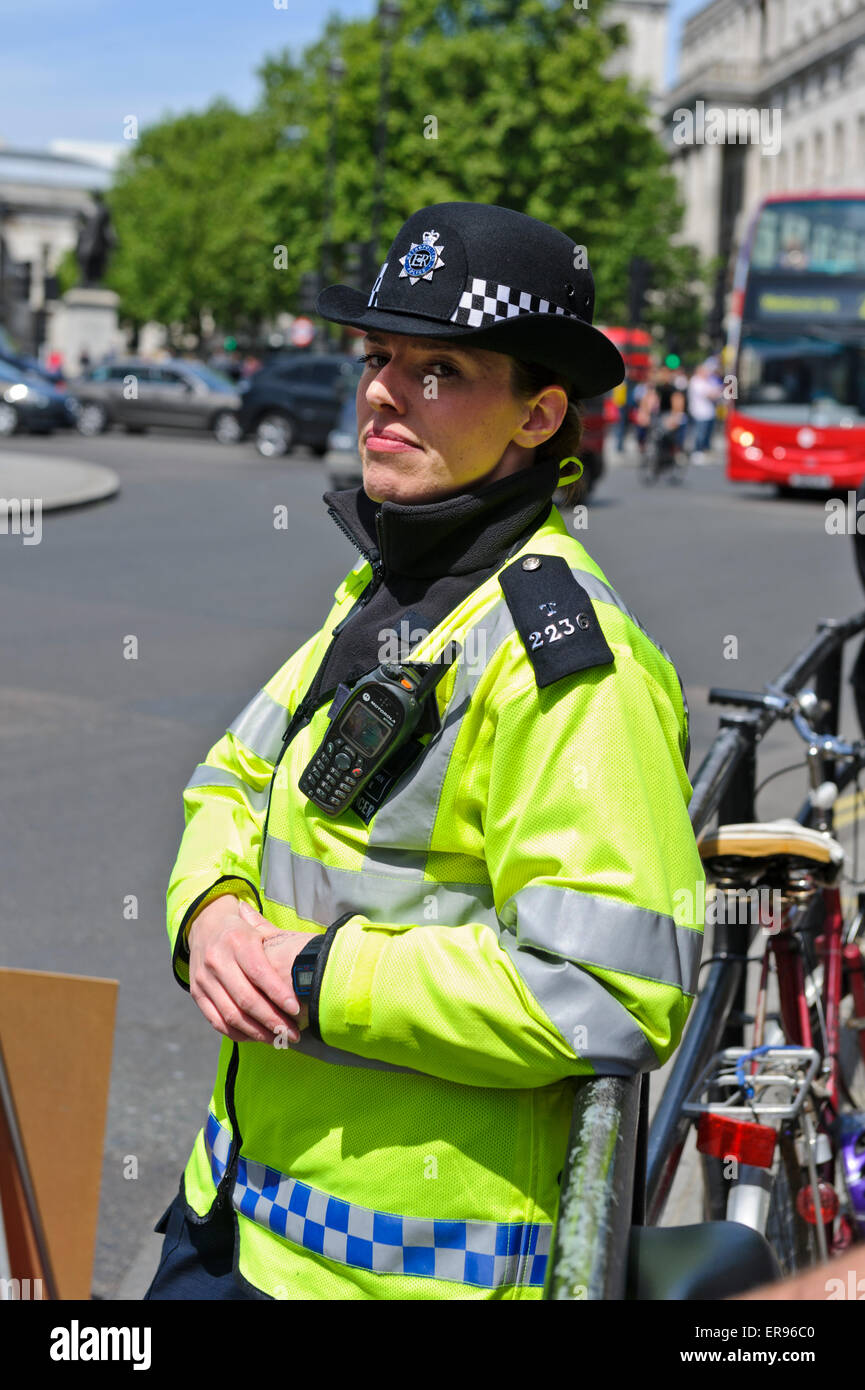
{"x": 515, "y": 915}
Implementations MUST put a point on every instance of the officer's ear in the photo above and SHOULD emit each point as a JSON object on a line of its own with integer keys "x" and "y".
{"x": 546, "y": 412}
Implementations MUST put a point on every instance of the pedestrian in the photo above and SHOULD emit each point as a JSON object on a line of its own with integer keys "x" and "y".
{"x": 662, "y": 403}
{"x": 412, "y": 949}
{"x": 704, "y": 393}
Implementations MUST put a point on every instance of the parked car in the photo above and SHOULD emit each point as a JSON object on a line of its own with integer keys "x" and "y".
{"x": 29, "y": 402}
{"x": 344, "y": 467}
{"x": 296, "y": 399}
{"x": 172, "y": 393}
{"x": 11, "y": 357}
{"x": 346, "y": 470}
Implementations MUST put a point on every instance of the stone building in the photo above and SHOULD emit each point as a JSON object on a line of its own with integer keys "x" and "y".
{"x": 769, "y": 98}
{"x": 44, "y": 194}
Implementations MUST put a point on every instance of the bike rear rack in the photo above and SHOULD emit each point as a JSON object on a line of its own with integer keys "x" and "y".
{"x": 789, "y": 1068}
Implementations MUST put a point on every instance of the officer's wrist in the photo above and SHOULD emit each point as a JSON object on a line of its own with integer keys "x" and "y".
{"x": 318, "y": 975}
{"x": 203, "y": 912}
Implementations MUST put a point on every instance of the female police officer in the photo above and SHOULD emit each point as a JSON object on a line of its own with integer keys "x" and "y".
{"x": 413, "y": 942}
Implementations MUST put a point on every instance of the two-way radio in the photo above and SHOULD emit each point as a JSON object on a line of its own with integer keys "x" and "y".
{"x": 377, "y": 717}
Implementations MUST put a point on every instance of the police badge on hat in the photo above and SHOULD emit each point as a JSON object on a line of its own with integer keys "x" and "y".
{"x": 422, "y": 259}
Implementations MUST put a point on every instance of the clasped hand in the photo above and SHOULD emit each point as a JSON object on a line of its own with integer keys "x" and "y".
{"x": 240, "y": 973}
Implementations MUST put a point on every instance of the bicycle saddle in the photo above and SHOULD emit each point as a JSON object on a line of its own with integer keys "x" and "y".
{"x": 756, "y": 840}
{"x": 713, "y": 1260}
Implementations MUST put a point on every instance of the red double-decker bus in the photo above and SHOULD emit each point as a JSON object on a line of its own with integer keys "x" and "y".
{"x": 796, "y": 344}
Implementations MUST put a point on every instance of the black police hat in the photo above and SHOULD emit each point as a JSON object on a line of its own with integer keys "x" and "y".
{"x": 491, "y": 278}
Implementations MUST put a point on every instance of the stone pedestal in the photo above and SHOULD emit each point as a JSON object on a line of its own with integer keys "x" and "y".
{"x": 84, "y": 320}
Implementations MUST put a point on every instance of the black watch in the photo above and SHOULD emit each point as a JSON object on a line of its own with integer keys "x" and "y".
{"x": 303, "y": 968}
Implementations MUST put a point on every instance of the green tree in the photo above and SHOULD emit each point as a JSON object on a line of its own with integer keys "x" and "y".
{"x": 522, "y": 116}
{"x": 190, "y": 208}
{"x": 497, "y": 101}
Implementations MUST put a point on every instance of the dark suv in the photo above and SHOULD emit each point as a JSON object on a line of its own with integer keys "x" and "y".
{"x": 296, "y": 399}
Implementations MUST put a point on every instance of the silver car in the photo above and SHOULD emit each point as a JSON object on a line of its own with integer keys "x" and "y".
{"x": 172, "y": 393}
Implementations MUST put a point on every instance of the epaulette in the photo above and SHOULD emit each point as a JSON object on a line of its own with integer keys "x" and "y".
{"x": 554, "y": 616}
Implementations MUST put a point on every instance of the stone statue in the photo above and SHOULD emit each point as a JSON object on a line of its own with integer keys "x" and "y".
{"x": 96, "y": 239}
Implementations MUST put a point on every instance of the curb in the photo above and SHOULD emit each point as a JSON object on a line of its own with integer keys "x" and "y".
{"x": 49, "y": 483}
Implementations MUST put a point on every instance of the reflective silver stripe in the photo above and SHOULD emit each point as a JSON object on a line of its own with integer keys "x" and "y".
{"x": 606, "y": 932}
{"x": 206, "y": 776}
{"x": 487, "y": 1254}
{"x": 335, "y": 1056}
{"x": 261, "y": 725}
{"x": 321, "y": 893}
{"x": 609, "y": 1037}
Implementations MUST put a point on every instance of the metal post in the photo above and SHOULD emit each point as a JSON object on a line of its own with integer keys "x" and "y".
{"x": 589, "y": 1258}
{"x": 389, "y": 13}
{"x": 336, "y": 71}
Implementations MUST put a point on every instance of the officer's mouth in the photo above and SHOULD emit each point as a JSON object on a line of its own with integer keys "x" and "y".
{"x": 389, "y": 442}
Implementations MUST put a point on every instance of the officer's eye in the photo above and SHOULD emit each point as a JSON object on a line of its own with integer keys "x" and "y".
{"x": 369, "y": 357}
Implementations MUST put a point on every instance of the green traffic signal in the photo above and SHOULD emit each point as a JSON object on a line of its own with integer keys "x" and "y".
{"x": 672, "y": 359}
{"x": 229, "y": 345}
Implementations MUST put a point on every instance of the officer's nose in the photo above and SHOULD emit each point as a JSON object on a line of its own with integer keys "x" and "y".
{"x": 387, "y": 388}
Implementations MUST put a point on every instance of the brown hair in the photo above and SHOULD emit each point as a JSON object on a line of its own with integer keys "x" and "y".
{"x": 527, "y": 379}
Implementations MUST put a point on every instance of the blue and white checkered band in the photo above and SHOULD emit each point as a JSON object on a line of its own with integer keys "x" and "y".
{"x": 487, "y": 303}
{"x": 487, "y": 1254}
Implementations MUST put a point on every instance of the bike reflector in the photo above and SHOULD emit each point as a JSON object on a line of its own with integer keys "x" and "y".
{"x": 829, "y": 1204}
{"x": 721, "y": 1136}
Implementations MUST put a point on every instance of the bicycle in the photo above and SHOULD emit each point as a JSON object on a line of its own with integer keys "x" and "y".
{"x": 660, "y": 455}
{"x": 781, "y": 1121}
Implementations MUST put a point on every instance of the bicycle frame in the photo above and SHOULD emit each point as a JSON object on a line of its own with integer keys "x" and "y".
{"x": 724, "y": 783}
{"x": 796, "y": 1019}
{"x": 600, "y": 1203}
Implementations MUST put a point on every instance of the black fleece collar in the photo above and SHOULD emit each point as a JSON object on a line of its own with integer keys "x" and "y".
{"x": 458, "y": 535}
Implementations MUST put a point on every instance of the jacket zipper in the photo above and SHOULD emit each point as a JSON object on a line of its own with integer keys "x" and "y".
{"x": 374, "y": 558}
{"x": 299, "y": 719}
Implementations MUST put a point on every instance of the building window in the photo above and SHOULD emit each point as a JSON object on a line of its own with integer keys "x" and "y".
{"x": 799, "y": 165}
{"x": 838, "y": 153}
{"x": 782, "y": 160}
{"x": 817, "y": 165}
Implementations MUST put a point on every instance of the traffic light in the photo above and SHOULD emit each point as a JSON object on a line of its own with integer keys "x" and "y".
{"x": 310, "y": 284}
{"x": 639, "y": 280}
{"x": 23, "y": 275}
{"x": 673, "y": 351}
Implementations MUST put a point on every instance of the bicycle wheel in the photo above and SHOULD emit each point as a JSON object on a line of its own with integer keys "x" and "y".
{"x": 649, "y": 465}
{"x": 793, "y": 1239}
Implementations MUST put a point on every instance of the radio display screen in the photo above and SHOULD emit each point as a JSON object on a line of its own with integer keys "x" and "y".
{"x": 365, "y": 730}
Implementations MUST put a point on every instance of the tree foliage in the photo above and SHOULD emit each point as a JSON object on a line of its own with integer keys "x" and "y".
{"x": 495, "y": 101}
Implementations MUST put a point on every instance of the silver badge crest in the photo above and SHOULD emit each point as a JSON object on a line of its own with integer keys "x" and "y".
{"x": 422, "y": 259}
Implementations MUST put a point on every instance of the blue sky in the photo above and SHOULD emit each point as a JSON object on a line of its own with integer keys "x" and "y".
{"x": 73, "y": 69}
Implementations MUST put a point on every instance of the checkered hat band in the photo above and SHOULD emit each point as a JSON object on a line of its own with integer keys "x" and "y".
{"x": 484, "y": 1253}
{"x": 487, "y": 302}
